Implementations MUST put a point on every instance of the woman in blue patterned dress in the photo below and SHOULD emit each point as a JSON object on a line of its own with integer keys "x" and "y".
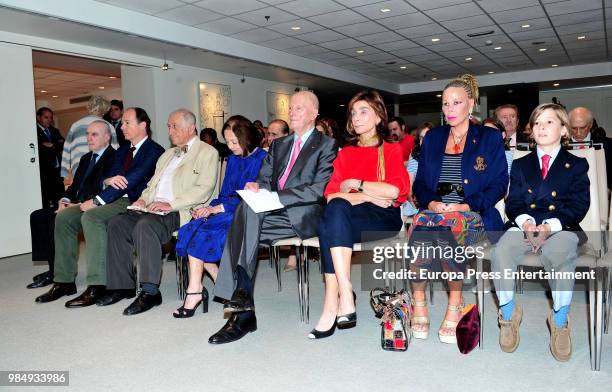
{"x": 203, "y": 238}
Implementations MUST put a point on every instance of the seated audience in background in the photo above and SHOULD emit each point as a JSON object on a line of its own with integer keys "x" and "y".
{"x": 322, "y": 127}
{"x": 397, "y": 133}
{"x": 113, "y": 116}
{"x": 581, "y": 127}
{"x": 462, "y": 175}
{"x": 276, "y": 129}
{"x": 297, "y": 169}
{"x": 493, "y": 123}
{"x": 184, "y": 178}
{"x": 333, "y": 127}
{"x": 549, "y": 196}
{"x": 76, "y": 139}
{"x": 133, "y": 166}
{"x": 50, "y": 146}
{"x": 209, "y": 135}
{"x": 367, "y": 187}
{"x": 409, "y": 208}
{"x": 87, "y": 182}
{"x": 508, "y": 115}
{"x": 203, "y": 238}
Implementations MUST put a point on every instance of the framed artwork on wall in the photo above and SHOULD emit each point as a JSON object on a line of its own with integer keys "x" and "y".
{"x": 277, "y": 105}
{"x": 215, "y": 105}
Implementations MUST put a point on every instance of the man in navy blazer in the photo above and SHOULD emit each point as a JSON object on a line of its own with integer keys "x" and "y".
{"x": 133, "y": 167}
{"x": 50, "y": 145}
{"x": 483, "y": 167}
{"x": 87, "y": 182}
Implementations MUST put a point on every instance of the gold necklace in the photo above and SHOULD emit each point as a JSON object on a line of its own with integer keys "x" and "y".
{"x": 368, "y": 141}
{"x": 457, "y": 141}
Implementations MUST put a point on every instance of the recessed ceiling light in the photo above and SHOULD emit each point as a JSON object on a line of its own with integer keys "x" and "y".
{"x": 526, "y": 26}
{"x": 439, "y": 95}
{"x": 403, "y": 67}
{"x": 296, "y": 28}
{"x": 542, "y": 49}
{"x": 360, "y": 51}
{"x": 555, "y": 84}
{"x": 101, "y": 87}
{"x": 554, "y": 65}
{"x": 491, "y": 72}
{"x": 581, "y": 36}
{"x": 341, "y": 105}
{"x": 112, "y": 77}
{"x": 497, "y": 48}
{"x": 435, "y": 39}
{"x": 55, "y": 96}
{"x": 468, "y": 59}
{"x": 434, "y": 78}
{"x": 43, "y": 91}
{"x": 385, "y": 10}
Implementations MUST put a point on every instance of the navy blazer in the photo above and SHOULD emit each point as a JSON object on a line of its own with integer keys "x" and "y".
{"x": 139, "y": 172}
{"x": 92, "y": 184}
{"x": 302, "y": 195}
{"x": 564, "y": 194}
{"x": 483, "y": 168}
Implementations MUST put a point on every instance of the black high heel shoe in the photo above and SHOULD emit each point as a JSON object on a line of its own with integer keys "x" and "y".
{"x": 316, "y": 334}
{"x": 183, "y": 312}
{"x": 347, "y": 321}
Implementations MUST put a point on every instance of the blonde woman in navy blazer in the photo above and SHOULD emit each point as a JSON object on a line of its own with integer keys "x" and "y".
{"x": 481, "y": 183}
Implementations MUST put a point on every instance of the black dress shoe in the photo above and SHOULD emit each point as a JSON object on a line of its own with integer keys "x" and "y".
{"x": 347, "y": 321}
{"x": 242, "y": 301}
{"x": 114, "y": 296}
{"x": 316, "y": 334}
{"x": 58, "y": 290}
{"x": 42, "y": 275}
{"x": 45, "y": 280}
{"x": 238, "y": 325}
{"x": 142, "y": 303}
{"x": 88, "y": 298}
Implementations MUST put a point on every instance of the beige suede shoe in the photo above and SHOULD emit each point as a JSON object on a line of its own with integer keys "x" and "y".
{"x": 560, "y": 339}
{"x": 509, "y": 337}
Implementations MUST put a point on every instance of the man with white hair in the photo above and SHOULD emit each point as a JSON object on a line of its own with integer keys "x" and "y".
{"x": 75, "y": 145}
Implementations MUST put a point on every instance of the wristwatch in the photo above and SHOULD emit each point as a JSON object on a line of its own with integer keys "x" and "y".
{"x": 360, "y": 188}
{"x": 96, "y": 201}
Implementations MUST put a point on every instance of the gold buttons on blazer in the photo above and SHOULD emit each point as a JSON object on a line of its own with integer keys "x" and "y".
{"x": 465, "y": 181}
{"x": 551, "y": 207}
{"x": 567, "y": 165}
{"x": 553, "y": 193}
{"x": 532, "y": 206}
{"x": 529, "y": 190}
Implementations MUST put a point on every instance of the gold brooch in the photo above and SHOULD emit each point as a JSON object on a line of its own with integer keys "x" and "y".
{"x": 480, "y": 164}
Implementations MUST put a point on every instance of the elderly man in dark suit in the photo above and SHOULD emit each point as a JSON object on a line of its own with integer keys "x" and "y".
{"x": 50, "y": 145}
{"x": 297, "y": 168}
{"x": 132, "y": 168}
{"x": 87, "y": 182}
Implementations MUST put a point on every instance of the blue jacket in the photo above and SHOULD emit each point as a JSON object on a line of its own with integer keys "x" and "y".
{"x": 564, "y": 194}
{"x": 483, "y": 166}
{"x": 139, "y": 172}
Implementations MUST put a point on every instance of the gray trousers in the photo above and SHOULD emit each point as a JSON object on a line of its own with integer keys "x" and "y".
{"x": 247, "y": 232}
{"x": 143, "y": 234}
{"x": 558, "y": 254}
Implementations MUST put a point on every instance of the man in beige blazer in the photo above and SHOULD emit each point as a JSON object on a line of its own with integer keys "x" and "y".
{"x": 185, "y": 178}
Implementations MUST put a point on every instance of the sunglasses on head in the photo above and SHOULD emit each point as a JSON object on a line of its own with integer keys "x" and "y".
{"x": 445, "y": 188}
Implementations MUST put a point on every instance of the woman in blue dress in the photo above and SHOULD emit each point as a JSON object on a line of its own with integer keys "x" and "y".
{"x": 203, "y": 238}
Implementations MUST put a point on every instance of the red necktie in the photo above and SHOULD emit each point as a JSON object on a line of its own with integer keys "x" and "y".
{"x": 128, "y": 160}
{"x": 545, "y": 162}
{"x": 296, "y": 152}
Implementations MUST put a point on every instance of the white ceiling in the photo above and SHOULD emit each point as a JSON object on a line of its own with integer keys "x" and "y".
{"x": 333, "y": 31}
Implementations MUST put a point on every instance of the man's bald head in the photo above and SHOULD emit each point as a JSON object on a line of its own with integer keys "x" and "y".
{"x": 581, "y": 122}
{"x": 303, "y": 111}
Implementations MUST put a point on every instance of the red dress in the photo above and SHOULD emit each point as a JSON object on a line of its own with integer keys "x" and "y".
{"x": 361, "y": 163}
{"x": 407, "y": 144}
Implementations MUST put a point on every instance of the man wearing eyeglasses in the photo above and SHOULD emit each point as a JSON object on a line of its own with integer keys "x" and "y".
{"x": 581, "y": 123}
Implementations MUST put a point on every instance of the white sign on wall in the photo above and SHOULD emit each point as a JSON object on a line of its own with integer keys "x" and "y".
{"x": 215, "y": 105}
{"x": 277, "y": 105}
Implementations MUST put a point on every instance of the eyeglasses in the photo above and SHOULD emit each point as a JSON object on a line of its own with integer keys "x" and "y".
{"x": 446, "y": 188}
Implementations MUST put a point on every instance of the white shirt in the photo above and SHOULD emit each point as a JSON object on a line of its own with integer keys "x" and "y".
{"x": 512, "y": 141}
{"x": 554, "y": 223}
{"x": 163, "y": 190}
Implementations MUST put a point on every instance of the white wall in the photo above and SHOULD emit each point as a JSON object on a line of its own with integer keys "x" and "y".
{"x": 598, "y": 100}
{"x": 160, "y": 92}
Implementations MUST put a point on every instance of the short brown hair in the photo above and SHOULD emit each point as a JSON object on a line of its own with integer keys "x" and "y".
{"x": 374, "y": 99}
{"x": 506, "y": 106}
{"x": 248, "y": 136}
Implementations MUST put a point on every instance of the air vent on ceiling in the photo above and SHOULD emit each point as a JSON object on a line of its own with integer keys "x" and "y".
{"x": 472, "y": 35}
{"x": 80, "y": 99}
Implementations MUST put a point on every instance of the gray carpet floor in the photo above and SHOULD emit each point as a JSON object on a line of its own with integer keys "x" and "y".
{"x": 106, "y": 351}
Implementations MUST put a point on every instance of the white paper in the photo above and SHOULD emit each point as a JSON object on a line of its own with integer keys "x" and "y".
{"x": 134, "y": 208}
{"x": 261, "y": 201}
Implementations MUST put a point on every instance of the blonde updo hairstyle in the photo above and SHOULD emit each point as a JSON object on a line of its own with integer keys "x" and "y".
{"x": 98, "y": 105}
{"x": 468, "y": 83}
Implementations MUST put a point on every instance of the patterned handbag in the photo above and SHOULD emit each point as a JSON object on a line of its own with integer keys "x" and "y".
{"x": 395, "y": 311}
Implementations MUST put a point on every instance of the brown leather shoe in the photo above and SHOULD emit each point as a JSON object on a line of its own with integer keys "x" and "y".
{"x": 560, "y": 339}
{"x": 509, "y": 337}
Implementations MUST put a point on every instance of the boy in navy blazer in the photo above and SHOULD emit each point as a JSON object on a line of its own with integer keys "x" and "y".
{"x": 548, "y": 197}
